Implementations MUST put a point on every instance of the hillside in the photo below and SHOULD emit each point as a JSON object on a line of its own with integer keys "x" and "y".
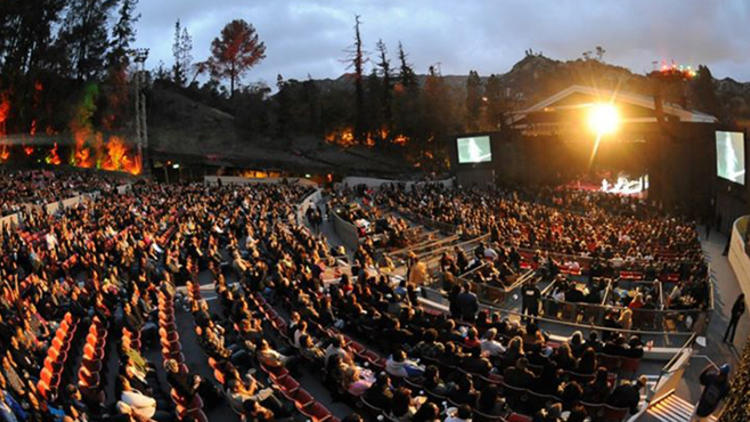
{"x": 245, "y": 131}
{"x": 179, "y": 125}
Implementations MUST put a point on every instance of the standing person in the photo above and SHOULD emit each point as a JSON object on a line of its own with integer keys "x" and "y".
{"x": 737, "y": 310}
{"x": 468, "y": 304}
{"x": 530, "y": 300}
{"x": 716, "y": 388}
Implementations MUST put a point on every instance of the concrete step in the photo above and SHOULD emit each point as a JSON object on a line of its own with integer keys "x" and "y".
{"x": 673, "y": 409}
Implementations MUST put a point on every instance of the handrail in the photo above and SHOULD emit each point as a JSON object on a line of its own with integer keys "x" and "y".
{"x": 422, "y": 245}
{"x": 575, "y": 324}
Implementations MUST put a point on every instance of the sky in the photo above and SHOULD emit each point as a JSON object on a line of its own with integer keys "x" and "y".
{"x": 308, "y": 37}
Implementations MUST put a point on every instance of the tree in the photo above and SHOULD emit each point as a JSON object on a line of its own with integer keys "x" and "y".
{"x": 123, "y": 34}
{"x": 356, "y": 61}
{"x": 85, "y": 36}
{"x": 473, "y": 100}
{"x": 384, "y": 70}
{"x": 406, "y": 104}
{"x": 496, "y": 103}
{"x": 182, "y": 48}
{"x": 235, "y": 52}
{"x": 704, "y": 91}
{"x": 406, "y": 74}
{"x": 600, "y": 53}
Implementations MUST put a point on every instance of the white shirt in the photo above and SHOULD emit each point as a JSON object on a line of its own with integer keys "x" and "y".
{"x": 141, "y": 404}
{"x": 493, "y": 347}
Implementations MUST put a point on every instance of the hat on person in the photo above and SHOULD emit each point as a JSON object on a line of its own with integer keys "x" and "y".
{"x": 724, "y": 369}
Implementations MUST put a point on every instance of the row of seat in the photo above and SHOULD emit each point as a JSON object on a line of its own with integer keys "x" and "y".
{"x": 57, "y": 355}
{"x": 187, "y": 408}
{"x": 92, "y": 361}
{"x": 305, "y": 403}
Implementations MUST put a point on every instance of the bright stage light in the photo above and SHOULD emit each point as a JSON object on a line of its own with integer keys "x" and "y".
{"x": 603, "y": 118}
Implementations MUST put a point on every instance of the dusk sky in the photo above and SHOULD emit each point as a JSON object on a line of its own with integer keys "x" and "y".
{"x": 308, "y": 37}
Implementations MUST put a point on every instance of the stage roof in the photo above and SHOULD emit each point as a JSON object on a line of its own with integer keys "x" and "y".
{"x": 637, "y": 108}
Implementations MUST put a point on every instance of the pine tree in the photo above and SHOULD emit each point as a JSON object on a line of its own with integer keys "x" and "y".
{"x": 406, "y": 74}
{"x": 356, "y": 59}
{"x": 473, "y": 100}
{"x": 182, "y": 48}
{"x": 123, "y": 34}
{"x": 704, "y": 91}
{"x": 85, "y": 36}
{"x": 384, "y": 70}
{"x": 496, "y": 104}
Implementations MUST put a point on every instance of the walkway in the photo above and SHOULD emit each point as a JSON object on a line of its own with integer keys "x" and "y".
{"x": 726, "y": 290}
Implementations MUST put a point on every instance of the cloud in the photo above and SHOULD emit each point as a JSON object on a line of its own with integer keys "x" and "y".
{"x": 309, "y": 37}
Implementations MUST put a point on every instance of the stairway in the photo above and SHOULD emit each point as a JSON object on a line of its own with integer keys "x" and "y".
{"x": 673, "y": 409}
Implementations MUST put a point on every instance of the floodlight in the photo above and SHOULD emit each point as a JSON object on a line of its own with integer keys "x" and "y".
{"x": 603, "y": 118}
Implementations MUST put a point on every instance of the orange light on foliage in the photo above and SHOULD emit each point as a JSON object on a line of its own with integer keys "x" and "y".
{"x": 28, "y": 150}
{"x": 345, "y": 137}
{"x": 400, "y": 140}
{"x": 118, "y": 158}
{"x": 53, "y": 157}
{"x": 4, "y": 153}
{"x": 32, "y": 130}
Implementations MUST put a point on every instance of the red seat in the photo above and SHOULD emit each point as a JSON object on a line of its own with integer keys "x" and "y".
{"x": 317, "y": 412}
{"x": 629, "y": 365}
{"x": 614, "y": 414}
{"x": 302, "y": 398}
{"x": 288, "y": 386}
{"x": 275, "y": 372}
{"x": 356, "y": 347}
{"x": 517, "y": 417}
{"x": 612, "y": 363}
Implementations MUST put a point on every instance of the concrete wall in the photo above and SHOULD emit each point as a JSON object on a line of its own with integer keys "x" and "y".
{"x": 372, "y": 182}
{"x": 52, "y": 207}
{"x": 346, "y": 231}
{"x": 306, "y": 203}
{"x": 11, "y": 220}
{"x": 236, "y": 180}
{"x": 739, "y": 254}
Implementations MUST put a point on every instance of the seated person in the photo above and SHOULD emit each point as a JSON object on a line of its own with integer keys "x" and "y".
{"x": 271, "y": 358}
{"x": 403, "y": 406}
{"x": 489, "y": 401}
{"x": 432, "y": 383}
{"x": 598, "y": 389}
{"x": 588, "y": 362}
{"x": 464, "y": 392}
{"x": 310, "y": 350}
{"x": 380, "y": 394}
{"x": 570, "y": 393}
{"x": 490, "y": 345}
{"x": 550, "y": 413}
{"x": 429, "y": 347}
{"x": 188, "y": 384}
{"x": 475, "y": 363}
{"x": 355, "y": 380}
{"x": 143, "y": 406}
{"x": 462, "y": 414}
{"x": 628, "y": 395}
{"x": 519, "y": 375}
{"x": 240, "y": 392}
{"x": 399, "y": 366}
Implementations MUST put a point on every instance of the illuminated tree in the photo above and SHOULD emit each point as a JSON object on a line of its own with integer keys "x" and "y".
{"x": 236, "y": 51}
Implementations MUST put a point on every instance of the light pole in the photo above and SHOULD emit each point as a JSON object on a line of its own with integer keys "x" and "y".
{"x": 139, "y": 82}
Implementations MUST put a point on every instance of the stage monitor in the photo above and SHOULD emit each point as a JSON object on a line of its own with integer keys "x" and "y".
{"x": 730, "y": 156}
{"x": 474, "y": 149}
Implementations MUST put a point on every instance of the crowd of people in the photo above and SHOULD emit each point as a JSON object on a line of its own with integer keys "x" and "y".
{"x": 544, "y": 229}
{"x": 107, "y": 272}
{"x": 39, "y": 187}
